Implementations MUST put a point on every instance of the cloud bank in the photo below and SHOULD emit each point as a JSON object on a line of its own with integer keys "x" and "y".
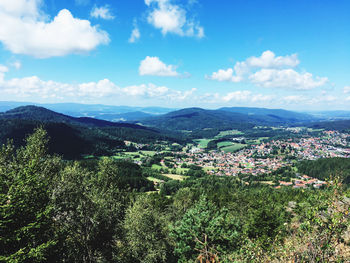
{"x": 25, "y": 29}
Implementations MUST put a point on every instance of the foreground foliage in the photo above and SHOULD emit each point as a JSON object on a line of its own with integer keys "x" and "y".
{"x": 53, "y": 210}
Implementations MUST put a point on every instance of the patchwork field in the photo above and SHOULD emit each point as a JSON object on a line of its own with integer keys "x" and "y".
{"x": 202, "y": 143}
{"x": 233, "y": 148}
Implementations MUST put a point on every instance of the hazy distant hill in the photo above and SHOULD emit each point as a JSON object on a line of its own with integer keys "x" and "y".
{"x": 341, "y": 125}
{"x": 73, "y": 137}
{"x": 41, "y": 114}
{"x": 224, "y": 118}
{"x": 332, "y": 115}
{"x": 273, "y": 115}
{"x": 125, "y": 117}
{"x": 197, "y": 118}
{"x": 103, "y": 112}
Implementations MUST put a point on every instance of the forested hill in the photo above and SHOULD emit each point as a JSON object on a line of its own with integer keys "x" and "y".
{"x": 35, "y": 113}
{"x": 224, "y": 118}
{"x": 198, "y": 119}
{"x": 272, "y": 115}
{"x": 74, "y": 137}
{"x": 342, "y": 125}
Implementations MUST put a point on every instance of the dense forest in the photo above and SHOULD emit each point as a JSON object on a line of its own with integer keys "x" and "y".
{"x": 52, "y": 210}
{"x": 325, "y": 169}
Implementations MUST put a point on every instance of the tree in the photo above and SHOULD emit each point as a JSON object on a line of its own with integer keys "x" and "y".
{"x": 26, "y": 215}
{"x": 89, "y": 208}
{"x": 205, "y": 232}
{"x": 146, "y": 232}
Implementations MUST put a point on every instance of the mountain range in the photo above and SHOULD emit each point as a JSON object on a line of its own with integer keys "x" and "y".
{"x": 73, "y": 137}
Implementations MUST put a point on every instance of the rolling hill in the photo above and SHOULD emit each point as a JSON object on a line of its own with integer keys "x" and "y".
{"x": 224, "y": 118}
{"x": 73, "y": 137}
{"x": 41, "y": 114}
{"x": 273, "y": 115}
{"x": 99, "y": 111}
{"x": 341, "y": 125}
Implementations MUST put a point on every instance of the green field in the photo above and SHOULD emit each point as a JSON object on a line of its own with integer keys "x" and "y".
{"x": 154, "y": 179}
{"x": 233, "y": 148}
{"x": 230, "y": 132}
{"x": 156, "y": 167}
{"x": 224, "y": 144}
{"x": 175, "y": 176}
{"x": 202, "y": 143}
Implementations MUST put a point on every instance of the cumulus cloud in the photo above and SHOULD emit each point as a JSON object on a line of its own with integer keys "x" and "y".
{"x": 16, "y": 64}
{"x": 3, "y": 69}
{"x": 286, "y": 78}
{"x": 269, "y": 71}
{"x": 25, "y": 29}
{"x": 153, "y": 66}
{"x": 171, "y": 18}
{"x": 34, "y": 87}
{"x": 347, "y": 89}
{"x": 225, "y": 75}
{"x": 135, "y": 33}
{"x": 268, "y": 59}
{"x": 293, "y": 99}
{"x": 246, "y": 96}
{"x": 102, "y": 12}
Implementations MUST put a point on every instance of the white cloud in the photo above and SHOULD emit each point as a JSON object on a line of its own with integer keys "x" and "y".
{"x": 155, "y": 67}
{"x": 225, "y": 75}
{"x": 171, "y": 18}
{"x": 26, "y": 30}
{"x": 35, "y": 88}
{"x": 348, "y": 98}
{"x": 16, "y": 64}
{"x": 268, "y": 59}
{"x": 293, "y": 99}
{"x": 286, "y": 78}
{"x": 135, "y": 33}
{"x": 347, "y": 89}
{"x": 3, "y": 69}
{"x": 237, "y": 96}
{"x": 246, "y": 96}
{"x": 102, "y": 12}
{"x": 269, "y": 71}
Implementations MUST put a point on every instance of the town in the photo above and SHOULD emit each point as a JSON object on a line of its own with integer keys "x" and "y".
{"x": 261, "y": 158}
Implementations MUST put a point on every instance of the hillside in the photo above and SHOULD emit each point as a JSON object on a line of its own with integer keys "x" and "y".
{"x": 73, "y": 137}
{"x": 225, "y": 118}
{"x": 272, "y": 115}
{"x": 41, "y": 114}
{"x": 341, "y": 125}
{"x": 191, "y": 119}
{"x": 99, "y": 111}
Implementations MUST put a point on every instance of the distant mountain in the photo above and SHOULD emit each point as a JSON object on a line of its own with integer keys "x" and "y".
{"x": 41, "y": 114}
{"x": 224, "y": 118}
{"x": 331, "y": 115}
{"x": 73, "y": 137}
{"x": 197, "y": 119}
{"x": 125, "y": 117}
{"x": 341, "y": 125}
{"x": 273, "y": 115}
{"x": 103, "y": 112}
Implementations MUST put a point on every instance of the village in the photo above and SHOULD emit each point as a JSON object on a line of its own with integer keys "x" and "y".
{"x": 267, "y": 157}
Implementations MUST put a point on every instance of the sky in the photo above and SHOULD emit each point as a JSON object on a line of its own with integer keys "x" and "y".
{"x": 291, "y": 54}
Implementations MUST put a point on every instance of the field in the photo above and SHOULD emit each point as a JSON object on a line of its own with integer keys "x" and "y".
{"x": 175, "y": 176}
{"x": 224, "y": 144}
{"x": 202, "y": 143}
{"x": 233, "y": 148}
{"x": 230, "y": 132}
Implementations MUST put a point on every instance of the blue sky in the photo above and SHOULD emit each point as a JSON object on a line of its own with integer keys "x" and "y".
{"x": 292, "y": 54}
